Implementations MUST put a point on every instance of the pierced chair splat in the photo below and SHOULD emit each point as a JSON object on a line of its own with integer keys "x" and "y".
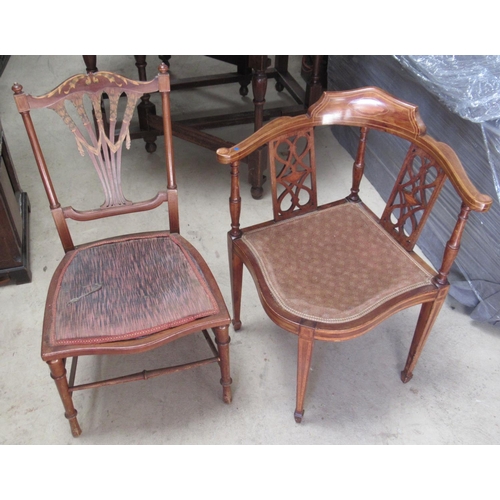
{"x": 335, "y": 271}
{"x": 124, "y": 294}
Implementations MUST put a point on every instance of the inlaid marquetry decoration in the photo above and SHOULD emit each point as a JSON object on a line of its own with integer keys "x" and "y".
{"x": 101, "y": 145}
{"x": 293, "y": 174}
{"x": 417, "y": 187}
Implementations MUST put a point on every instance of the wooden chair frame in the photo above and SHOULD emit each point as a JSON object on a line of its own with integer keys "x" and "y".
{"x": 105, "y": 147}
{"x": 406, "y": 212}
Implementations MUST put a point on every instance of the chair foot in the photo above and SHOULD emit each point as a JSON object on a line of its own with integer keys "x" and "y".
{"x": 227, "y": 396}
{"x": 150, "y": 147}
{"x": 406, "y": 377}
{"x": 74, "y": 425}
{"x": 298, "y": 416}
{"x": 236, "y": 325}
{"x": 257, "y": 192}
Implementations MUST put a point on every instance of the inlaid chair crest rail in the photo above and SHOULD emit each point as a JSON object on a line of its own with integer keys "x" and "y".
{"x": 334, "y": 272}
{"x": 127, "y": 294}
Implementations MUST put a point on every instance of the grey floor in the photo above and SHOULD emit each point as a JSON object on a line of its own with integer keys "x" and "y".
{"x": 354, "y": 396}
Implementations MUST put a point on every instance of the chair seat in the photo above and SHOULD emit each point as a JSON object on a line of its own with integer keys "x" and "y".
{"x": 292, "y": 256}
{"x": 127, "y": 288}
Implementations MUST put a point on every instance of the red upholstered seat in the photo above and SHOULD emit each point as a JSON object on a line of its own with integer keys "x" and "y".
{"x": 127, "y": 288}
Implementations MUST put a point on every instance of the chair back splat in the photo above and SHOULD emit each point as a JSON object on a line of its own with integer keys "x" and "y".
{"x": 333, "y": 272}
{"x": 100, "y": 138}
{"x": 124, "y": 294}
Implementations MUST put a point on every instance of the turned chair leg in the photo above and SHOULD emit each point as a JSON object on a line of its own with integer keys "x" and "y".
{"x": 304, "y": 356}
{"x": 428, "y": 314}
{"x": 222, "y": 340}
{"x": 58, "y": 373}
{"x": 236, "y": 272}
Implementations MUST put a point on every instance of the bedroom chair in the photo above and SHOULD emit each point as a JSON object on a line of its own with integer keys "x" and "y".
{"x": 333, "y": 272}
{"x": 124, "y": 294}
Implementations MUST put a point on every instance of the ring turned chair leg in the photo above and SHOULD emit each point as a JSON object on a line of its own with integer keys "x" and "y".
{"x": 222, "y": 340}
{"x": 236, "y": 271}
{"x": 58, "y": 373}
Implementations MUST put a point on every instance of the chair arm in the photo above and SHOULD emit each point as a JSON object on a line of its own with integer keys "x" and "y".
{"x": 275, "y": 128}
{"x": 457, "y": 175}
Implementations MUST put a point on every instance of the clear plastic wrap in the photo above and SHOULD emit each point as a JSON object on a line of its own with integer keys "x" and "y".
{"x": 468, "y": 85}
{"x": 459, "y": 101}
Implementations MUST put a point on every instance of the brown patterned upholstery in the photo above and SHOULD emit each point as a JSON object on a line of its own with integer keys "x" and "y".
{"x": 311, "y": 286}
{"x": 127, "y": 289}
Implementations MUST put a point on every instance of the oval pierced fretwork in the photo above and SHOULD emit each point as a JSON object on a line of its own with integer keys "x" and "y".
{"x": 293, "y": 174}
{"x": 415, "y": 191}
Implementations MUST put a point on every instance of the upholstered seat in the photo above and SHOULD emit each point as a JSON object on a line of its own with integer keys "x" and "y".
{"x": 117, "y": 290}
{"x": 292, "y": 253}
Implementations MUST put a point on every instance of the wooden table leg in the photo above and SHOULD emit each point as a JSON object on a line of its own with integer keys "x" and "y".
{"x": 90, "y": 63}
{"x": 145, "y": 107}
{"x": 314, "y": 89}
{"x": 281, "y": 64}
{"x": 257, "y": 161}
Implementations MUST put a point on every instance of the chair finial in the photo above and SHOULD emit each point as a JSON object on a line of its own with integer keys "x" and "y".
{"x": 17, "y": 89}
{"x": 163, "y": 68}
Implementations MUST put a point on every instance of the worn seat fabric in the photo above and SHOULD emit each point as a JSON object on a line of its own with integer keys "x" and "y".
{"x": 127, "y": 289}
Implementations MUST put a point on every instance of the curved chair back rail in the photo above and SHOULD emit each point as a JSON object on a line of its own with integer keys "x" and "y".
{"x": 370, "y": 108}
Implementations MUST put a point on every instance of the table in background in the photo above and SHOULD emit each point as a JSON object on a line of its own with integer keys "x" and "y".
{"x": 254, "y": 70}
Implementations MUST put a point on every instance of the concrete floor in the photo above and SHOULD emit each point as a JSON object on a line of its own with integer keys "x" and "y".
{"x": 354, "y": 395}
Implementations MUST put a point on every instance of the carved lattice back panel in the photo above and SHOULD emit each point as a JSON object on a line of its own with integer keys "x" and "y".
{"x": 415, "y": 192}
{"x": 97, "y": 136}
{"x": 292, "y": 166}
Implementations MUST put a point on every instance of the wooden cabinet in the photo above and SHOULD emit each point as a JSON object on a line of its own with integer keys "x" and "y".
{"x": 14, "y": 217}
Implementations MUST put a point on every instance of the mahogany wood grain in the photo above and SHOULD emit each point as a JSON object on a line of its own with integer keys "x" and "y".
{"x": 424, "y": 170}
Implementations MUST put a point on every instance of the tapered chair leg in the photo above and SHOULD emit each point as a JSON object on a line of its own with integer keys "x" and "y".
{"x": 222, "y": 340}
{"x": 304, "y": 356}
{"x": 58, "y": 373}
{"x": 428, "y": 314}
{"x": 236, "y": 272}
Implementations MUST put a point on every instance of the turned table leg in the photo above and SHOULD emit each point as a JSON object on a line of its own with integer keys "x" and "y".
{"x": 145, "y": 107}
{"x": 257, "y": 161}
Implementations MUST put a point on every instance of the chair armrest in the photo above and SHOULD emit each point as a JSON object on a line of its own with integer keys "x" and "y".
{"x": 275, "y": 128}
{"x": 457, "y": 175}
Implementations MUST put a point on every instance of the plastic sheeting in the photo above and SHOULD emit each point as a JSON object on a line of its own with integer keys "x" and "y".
{"x": 459, "y": 101}
{"x": 468, "y": 85}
